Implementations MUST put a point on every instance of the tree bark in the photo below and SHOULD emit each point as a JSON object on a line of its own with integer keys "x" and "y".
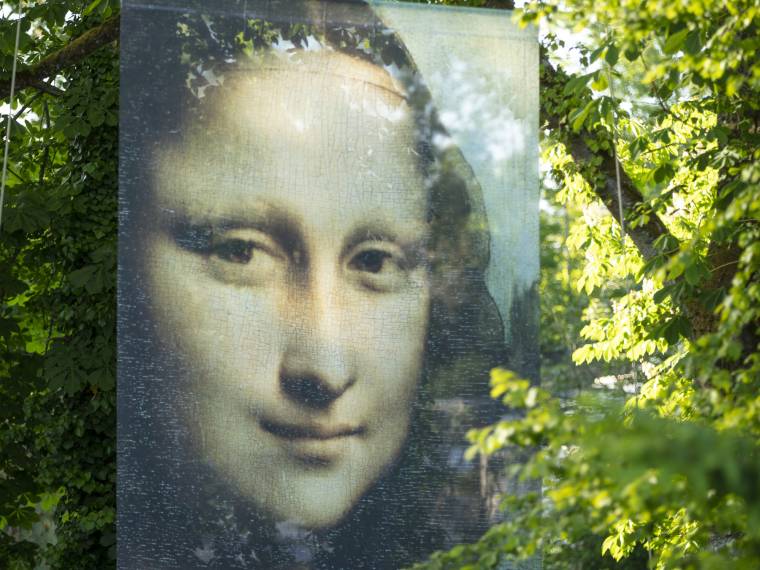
{"x": 721, "y": 258}
{"x": 643, "y": 236}
{"x": 70, "y": 54}
{"x": 500, "y": 4}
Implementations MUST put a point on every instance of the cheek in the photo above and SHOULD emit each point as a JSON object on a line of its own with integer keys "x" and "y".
{"x": 215, "y": 329}
{"x": 391, "y": 341}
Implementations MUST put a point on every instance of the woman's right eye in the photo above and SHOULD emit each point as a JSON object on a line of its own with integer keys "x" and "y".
{"x": 245, "y": 257}
{"x": 234, "y": 250}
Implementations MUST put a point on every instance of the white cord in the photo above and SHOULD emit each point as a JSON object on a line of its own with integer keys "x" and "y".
{"x": 10, "y": 116}
{"x": 617, "y": 162}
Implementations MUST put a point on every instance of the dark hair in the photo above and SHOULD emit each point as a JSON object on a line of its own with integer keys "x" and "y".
{"x": 400, "y": 520}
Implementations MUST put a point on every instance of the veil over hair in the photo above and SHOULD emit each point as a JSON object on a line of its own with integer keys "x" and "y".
{"x": 174, "y": 513}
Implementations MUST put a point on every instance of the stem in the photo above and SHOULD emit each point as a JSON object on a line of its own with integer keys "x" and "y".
{"x": 46, "y": 152}
{"x": 27, "y": 104}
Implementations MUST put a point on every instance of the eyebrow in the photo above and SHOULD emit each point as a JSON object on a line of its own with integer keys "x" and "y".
{"x": 194, "y": 230}
{"x": 264, "y": 217}
{"x": 369, "y": 232}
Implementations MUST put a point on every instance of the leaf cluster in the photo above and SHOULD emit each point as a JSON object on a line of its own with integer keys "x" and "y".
{"x": 57, "y": 299}
{"x": 664, "y": 476}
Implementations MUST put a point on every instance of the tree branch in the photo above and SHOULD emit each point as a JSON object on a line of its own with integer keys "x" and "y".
{"x": 643, "y": 236}
{"x": 500, "y": 4}
{"x": 722, "y": 257}
{"x": 45, "y": 87}
{"x": 72, "y": 53}
{"x": 27, "y": 105}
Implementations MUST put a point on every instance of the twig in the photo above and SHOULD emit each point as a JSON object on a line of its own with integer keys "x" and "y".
{"x": 17, "y": 175}
{"x": 655, "y": 91}
{"x": 46, "y": 152}
{"x": 713, "y": 269}
{"x": 27, "y": 104}
{"x": 47, "y": 88}
{"x": 661, "y": 147}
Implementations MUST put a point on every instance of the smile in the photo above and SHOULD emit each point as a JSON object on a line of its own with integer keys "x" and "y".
{"x": 310, "y": 431}
{"x": 314, "y": 445}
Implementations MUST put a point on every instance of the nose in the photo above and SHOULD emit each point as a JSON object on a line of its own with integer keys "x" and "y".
{"x": 317, "y": 367}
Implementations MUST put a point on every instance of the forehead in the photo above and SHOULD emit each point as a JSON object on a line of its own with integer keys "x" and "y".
{"x": 323, "y": 128}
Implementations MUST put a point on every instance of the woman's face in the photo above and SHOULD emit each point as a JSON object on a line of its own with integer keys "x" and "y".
{"x": 284, "y": 257}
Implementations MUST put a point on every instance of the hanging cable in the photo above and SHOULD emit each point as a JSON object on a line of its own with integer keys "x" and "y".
{"x": 615, "y": 157}
{"x": 10, "y": 119}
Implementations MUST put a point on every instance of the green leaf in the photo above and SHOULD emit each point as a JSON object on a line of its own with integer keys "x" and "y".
{"x": 637, "y": 146}
{"x": 695, "y": 272}
{"x": 662, "y": 294}
{"x": 81, "y": 277}
{"x": 718, "y": 133}
{"x": 8, "y": 327}
{"x": 581, "y": 117}
{"x": 611, "y": 57}
{"x": 693, "y": 42}
{"x": 48, "y": 501}
{"x": 676, "y": 328}
{"x": 674, "y": 41}
{"x": 600, "y": 83}
{"x": 663, "y": 172}
{"x": 577, "y": 84}
{"x": 9, "y": 285}
{"x": 93, "y": 5}
{"x": 95, "y": 116}
{"x": 631, "y": 52}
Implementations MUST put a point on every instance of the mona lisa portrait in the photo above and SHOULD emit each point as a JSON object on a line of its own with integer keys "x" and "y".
{"x": 306, "y": 323}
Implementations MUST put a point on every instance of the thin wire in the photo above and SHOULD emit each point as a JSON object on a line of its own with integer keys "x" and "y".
{"x": 617, "y": 162}
{"x": 10, "y": 116}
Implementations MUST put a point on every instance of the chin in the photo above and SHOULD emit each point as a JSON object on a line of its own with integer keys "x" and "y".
{"x": 300, "y": 495}
{"x": 316, "y": 519}
{"x": 310, "y": 513}
{"x": 318, "y": 503}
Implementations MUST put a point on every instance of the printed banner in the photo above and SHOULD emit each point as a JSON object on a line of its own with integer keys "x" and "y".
{"x": 329, "y": 237}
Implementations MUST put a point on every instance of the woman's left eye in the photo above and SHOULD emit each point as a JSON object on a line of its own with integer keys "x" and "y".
{"x": 381, "y": 269}
{"x": 371, "y": 260}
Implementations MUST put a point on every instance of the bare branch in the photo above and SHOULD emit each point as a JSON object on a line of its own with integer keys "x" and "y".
{"x": 45, "y": 87}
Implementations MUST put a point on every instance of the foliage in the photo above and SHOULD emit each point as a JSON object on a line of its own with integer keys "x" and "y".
{"x": 57, "y": 285}
{"x": 669, "y": 479}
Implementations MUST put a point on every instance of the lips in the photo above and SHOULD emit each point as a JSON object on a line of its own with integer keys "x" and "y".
{"x": 315, "y": 432}
{"x": 312, "y": 444}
